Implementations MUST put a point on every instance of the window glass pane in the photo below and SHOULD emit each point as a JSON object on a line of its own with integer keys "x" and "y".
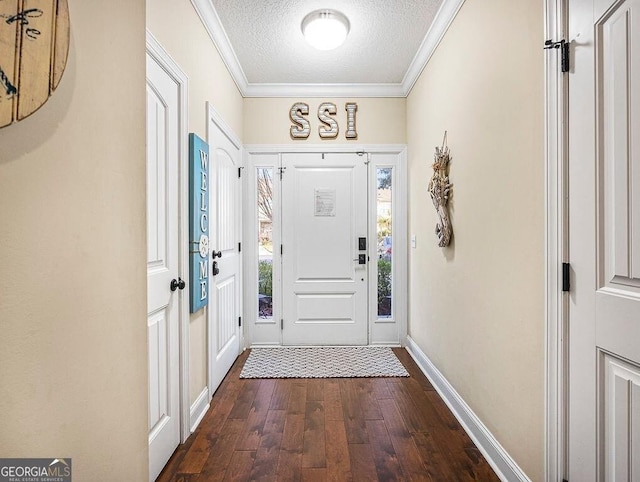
{"x": 265, "y": 242}
{"x": 384, "y": 229}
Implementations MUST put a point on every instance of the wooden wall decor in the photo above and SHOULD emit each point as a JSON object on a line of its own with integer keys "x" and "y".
{"x": 440, "y": 190}
{"x": 34, "y": 44}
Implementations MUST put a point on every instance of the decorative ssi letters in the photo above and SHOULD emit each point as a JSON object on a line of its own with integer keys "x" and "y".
{"x": 301, "y": 128}
{"x": 328, "y": 128}
{"x": 198, "y": 223}
{"x": 351, "y": 108}
{"x": 325, "y": 110}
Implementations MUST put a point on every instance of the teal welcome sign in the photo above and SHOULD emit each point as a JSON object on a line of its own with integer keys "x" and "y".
{"x": 198, "y": 222}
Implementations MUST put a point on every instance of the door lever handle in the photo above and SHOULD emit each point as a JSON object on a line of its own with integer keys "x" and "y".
{"x": 361, "y": 259}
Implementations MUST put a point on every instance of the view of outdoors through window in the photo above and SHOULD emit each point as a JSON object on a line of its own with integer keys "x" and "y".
{"x": 385, "y": 258}
{"x": 265, "y": 242}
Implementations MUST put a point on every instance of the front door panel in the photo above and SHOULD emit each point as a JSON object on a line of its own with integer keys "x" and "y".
{"x": 324, "y": 285}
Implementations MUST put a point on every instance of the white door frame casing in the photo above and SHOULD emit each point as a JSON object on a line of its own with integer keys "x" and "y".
{"x": 556, "y": 247}
{"x": 269, "y": 331}
{"x": 162, "y": 57}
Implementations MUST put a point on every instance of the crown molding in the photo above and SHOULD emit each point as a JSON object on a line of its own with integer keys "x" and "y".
{"x": 324, "y": 90}
{"x": 447, "y": 12}
{"x": 214, "y": 28}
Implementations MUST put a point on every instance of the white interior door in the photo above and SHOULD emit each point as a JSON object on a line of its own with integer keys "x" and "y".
{"x": 604, "y": 210}
{"x": 225, "y": 296}
{"x": 163, "y": 316}
{"x": 324, "y": 212}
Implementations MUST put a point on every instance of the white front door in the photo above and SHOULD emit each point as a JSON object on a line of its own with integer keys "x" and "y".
{"x": 604, "y": 213}
{"x": 224, "y": 304}
{"x": 324, "y": 213}
{"x": 163, "y": 316}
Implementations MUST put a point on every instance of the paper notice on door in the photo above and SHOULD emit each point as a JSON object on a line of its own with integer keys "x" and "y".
{"x": 325, "y": 202}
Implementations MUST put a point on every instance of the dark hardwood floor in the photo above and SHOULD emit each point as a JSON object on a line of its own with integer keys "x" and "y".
{"x": 339, "y": 429}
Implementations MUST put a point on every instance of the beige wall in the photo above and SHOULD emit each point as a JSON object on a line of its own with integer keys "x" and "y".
{"x": 73, "y": 362}
{"x": 378, "y": 121}
{"x": 73, "y": 367}
{"x": 176, "y": 25}
{"x": 476, "y": 307}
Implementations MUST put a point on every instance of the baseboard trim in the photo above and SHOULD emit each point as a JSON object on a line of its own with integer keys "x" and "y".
{"x": 199, "y": 409}
{"x": 500, "y": 461}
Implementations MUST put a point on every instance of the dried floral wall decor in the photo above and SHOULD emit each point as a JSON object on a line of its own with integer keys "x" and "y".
{"x": 440, "y": 191}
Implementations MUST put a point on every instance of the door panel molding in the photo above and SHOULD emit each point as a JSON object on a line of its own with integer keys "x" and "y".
{"x": 620, "y": 401}
{"x": 618, "y": 183}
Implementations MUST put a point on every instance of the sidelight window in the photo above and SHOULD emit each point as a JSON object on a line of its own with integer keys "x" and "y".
{"x": 384, "y": 217}
{"x": 265, "y": 241}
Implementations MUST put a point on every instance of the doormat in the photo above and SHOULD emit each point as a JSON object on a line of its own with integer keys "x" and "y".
{"x": 323, "y": 362}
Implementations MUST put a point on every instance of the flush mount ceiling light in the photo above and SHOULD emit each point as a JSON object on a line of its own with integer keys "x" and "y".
{"x": 325, "y": 29}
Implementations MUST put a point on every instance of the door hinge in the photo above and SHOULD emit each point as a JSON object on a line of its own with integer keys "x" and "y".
{"x": 563, "y": 45}
{"x": 282, "y": 323}
{"x": 239, "y": 320}
{"x": 240, "y": 171}
{"x": 239, "y": 247}
{"x": 281, "y": 250}
{"x": 566, "y": 277}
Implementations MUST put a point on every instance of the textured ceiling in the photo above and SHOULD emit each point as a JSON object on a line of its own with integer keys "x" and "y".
{"x": 268, "y": 43}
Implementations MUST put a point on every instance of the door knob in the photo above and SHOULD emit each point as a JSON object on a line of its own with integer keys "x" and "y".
{"x": 177, "y": 283}
{"x": 216, "y": 254}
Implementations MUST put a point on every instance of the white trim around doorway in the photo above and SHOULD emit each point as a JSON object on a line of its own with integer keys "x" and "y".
{"x": 269, "y": 333}
{"x": 556, "y": 236}
{"x": 155, "y": 50}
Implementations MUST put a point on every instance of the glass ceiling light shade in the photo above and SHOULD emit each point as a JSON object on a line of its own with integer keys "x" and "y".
{"x": 325, "y": 29}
